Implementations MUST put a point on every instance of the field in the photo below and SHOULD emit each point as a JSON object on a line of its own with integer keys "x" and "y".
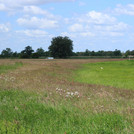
{"x": 88, "y": 96}
{"x": 116, "y": 74}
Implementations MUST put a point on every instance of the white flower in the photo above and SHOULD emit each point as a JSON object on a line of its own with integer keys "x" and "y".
{"x": 101, "y": 67}
{"x": 76, "y": 93}
{"x": 72, "y": 93}
{"x": 68, "y": 93}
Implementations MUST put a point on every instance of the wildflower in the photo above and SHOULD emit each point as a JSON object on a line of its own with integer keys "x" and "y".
{"x": 101, "y": 67}
{"x": 72, "y": 93}
{"x": 76, "y": 93}
{"x": 68, "y": 93}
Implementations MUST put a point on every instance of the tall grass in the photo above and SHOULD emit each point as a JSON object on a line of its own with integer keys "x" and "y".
{"x": 22, "y": 113}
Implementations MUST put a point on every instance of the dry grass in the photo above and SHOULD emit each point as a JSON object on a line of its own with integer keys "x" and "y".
{"x": 41, "y": 74}
{"x": 47, "y": 75}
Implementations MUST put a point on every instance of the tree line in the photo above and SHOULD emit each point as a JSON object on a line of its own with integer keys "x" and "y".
{"x": 61, "y": 47}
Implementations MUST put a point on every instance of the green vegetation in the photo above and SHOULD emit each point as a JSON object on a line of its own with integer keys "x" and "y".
{"x": 118, "y": 74}
{"x": 22, "y": 112}
{"x": 95, "y": 57}
{"x": 7, "y": 67}
{"x": 61, "y": 47}
{"x": 38, "y": 99}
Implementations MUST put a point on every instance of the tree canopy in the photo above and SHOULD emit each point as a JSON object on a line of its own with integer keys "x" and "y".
{"x": 61, "y": 47}
{"x": 6, "y": 53}
{"x": 27, "y": 52}
{"x": 40, "y": 51}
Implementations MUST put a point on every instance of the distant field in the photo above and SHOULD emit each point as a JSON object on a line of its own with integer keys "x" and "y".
{"x": 42, "y": 97}
{"x": 96, "y": 57}
{"x": 118, "y": 74}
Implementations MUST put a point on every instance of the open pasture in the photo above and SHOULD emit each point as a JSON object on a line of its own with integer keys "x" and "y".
{"x": 118, "y": 74}
{"x": 66, "y": 97}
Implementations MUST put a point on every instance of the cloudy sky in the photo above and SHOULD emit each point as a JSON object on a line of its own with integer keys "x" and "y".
{"x": 91, "y": 24}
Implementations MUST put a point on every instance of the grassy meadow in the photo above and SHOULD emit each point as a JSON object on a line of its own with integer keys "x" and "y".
{"x": 118, "y": 74}
{"x": 66, "y": 96}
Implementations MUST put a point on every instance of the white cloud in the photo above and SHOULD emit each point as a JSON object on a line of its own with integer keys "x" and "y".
{"x": 87, "y": 34}
{"x": 10, "y": 5}
{"x": 78, "y": 35}
{"x": 72, "y": 35}
{"x": 76, "y": 27}
{"x": 96, "y": 18}
{"x": 119, "y": 26}
{"x": 96, "y": 24}
{"x": 37, "y": 23}
{"x": 4, "y": 27}
{"x": 33, "y": 33}
{"x": 37, "y": 11}
{"x": 126, "y": 10}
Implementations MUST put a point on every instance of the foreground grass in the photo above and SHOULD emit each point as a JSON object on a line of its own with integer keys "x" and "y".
{"x": 118, "y": 74}
{"x": 22, "y": 112}
{"x": 38, "y": 99}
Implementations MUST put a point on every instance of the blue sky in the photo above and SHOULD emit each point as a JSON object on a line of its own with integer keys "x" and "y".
{"x": 91, "y": 24}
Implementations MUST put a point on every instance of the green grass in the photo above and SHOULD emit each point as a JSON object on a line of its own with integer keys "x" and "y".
{"x": 50, "y": 112}
{"x": 6, "y": 68}
{"x": 94, "y": 57}
{"x": 118, "y": 74}
{"x": 22, "y": 112}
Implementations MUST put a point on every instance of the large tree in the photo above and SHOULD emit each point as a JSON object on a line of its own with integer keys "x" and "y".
{"x": 40, "y": 51}
{"x": 27, "y": 52}
{"x": 6, "y": 53}
{"x": 61, "y": 47}
{"x": 117, "y": 52}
